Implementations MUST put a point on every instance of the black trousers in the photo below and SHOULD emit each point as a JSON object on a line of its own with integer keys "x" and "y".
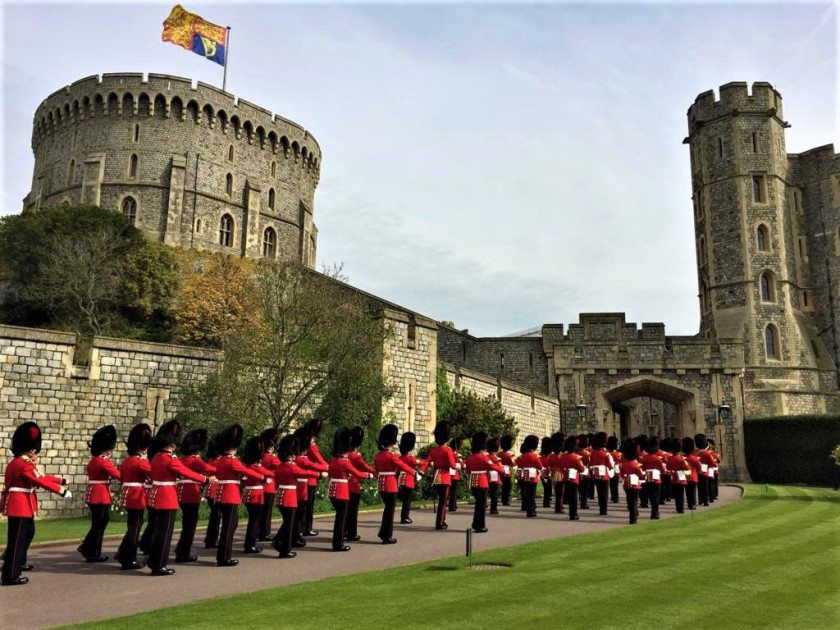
{"x": 652, "y": 492}
{"x": 189, "y": 521}
{"x": 571, "y": 496}
{"x": 583, "y": 491}
{"x": 146, "y": 539}
{"x": 283, "y": 539}
{"x": 703, "y": 489}
{"x": 100, "y": 516}
{"x": 632, "y": 504}
{"x": 406, "y": 496}
{"x": 547, "y": 487}
{"x": 127, "y": 552}
{"x": 14, "y": 558}
{"x": 352, "y": 521}
{"x": 603, "y": 489}
{"x": 161, "y": 539}
{"x": 310, "y": 508}
{"x": 494, "y": 498}
{"x": 340, "y": 523}
{"x": 299, "y": 526}
{"x": 264, "y": 531}
{"x": 506, "y": 484}
{"x": 252, "y": 529}
{"x": 386, "y": 529}
{"x": 559, "y": 495}
{"x": 480, "y": 495}
{"x": 442, "y": 492}
{"x": 614, "y": 488}
{"x": 713, "y": 486}
{"x": 453, "y": 495}
{"x": 529, "y": 497}
{"x": 665, "y": 496}
{"x": 691, "y": 495}
{"x": 230, "y": 521}
{"x": 211, "y": 537}
{"x": 678, "y": 492}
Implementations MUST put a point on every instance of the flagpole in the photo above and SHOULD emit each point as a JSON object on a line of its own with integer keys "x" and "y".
{"x": 227, "y": 54}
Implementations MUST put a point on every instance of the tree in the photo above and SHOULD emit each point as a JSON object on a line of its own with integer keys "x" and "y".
{"x": 469, "y": 413}
{"x": 312, "y": 344}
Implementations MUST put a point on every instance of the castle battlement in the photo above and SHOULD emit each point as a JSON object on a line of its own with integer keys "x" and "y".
{"x": 130, "y": 94}
{"x": 735, "y": 98}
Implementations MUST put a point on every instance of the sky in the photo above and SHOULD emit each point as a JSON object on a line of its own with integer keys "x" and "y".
{"x": 497, "y": 165}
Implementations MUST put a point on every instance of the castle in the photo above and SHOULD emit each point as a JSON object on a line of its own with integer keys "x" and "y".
{"x": 193, "y": 167}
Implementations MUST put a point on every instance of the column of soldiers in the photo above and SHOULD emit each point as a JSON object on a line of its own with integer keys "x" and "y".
{"x": 284, "y": 473}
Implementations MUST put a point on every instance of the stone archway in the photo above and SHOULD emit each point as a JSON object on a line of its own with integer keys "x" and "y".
{"x": 687, "y": 401}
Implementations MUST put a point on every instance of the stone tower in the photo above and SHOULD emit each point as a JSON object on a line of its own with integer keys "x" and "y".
{"x": 751, "y": 233}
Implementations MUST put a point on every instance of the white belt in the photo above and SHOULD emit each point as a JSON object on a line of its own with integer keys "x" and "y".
{"x": 226, "y": 482}
{"x": 253, "y": 487}
{"x": 27, "y": 490}
{"x": 532, "y": 471}
{"x": 163, "y": 483}
{"x": 183, "y": 481}
{"x": 386, "y": 474}
{"x": 479, "y": 472}
{"x": 303, "y": 479}
{"x": 287, "y": 487}
{"x": 98, "y": 481}
{"x": 132, "y": 484}
{"x": 338, "y": 481}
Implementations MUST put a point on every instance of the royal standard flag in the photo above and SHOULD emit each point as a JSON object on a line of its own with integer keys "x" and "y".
{"x": 191, "y": 32}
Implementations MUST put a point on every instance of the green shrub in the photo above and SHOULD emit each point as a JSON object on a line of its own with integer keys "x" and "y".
{"x": 791, "y": 449}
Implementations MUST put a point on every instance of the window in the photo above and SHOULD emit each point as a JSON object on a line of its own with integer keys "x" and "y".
{"x": 71, "y": 173}
{"x": 807, "y": 300}
{"x": 759, "y": 194}
{"x": 796, "y": 200}
{"x": 198, "y": 226}
{"x": 502, "y": 360}
{"x": 701, "y": 251}
{"x": 136, "y": 133}
{"x": 230, "y": 153}
{"x": 226, "y": 231}
{"x": 129, "y": 209}
{"x": 704, "y": 297}
{"x": 270, "y": 243}
{"x": 229, "y": 184}
{"x": 771, "y": 342}
{"x": 720, "y": 147}
{"x": 274, "y": 169}
{"x": 763, "y": 238}
{"x": 768, "y": 287}
{"x": 132, "y": 166}
{"x": 755, "y": 142}
{"x": 271, "y": 199}
{"x": 803, "y": 250}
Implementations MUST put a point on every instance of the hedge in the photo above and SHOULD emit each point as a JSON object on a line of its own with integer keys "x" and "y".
{"x": 791, "y": 449}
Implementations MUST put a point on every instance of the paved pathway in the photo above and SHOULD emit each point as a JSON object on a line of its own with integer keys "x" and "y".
{"x": 63, "y": 589}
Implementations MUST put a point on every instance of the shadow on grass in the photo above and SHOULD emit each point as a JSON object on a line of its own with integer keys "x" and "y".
{"x": 441, "y": 568}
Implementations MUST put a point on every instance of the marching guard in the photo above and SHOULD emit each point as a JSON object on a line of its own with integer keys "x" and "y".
{"x": 340, "y": 469}
{"x": 313, "y": 454}
{"x": 443, "y": 459}
{"x": 545, "y": 473}
{"x": 388, "y": 464}
{"x": 506, "y": 457}
{"x": 455, "y": 474}
{"x": 270, "y": 462}
{"x": 495, "y": 476}
{"x": 655, "y": 469}
{"x": 354, "y": 486}
{"x": 100, "y": 470}
{"x": 555, "y": 470}
{"x": 189, "y": 492}
{"x": 286, "y": 476}
{"x": 407, "y": 482}
{"x": 135, "y": 470}
{"x": 632, "y": 473}
{"x": 529, "y": 465}
{"x": 479, "y": 467}
{"x": 572, "y": 468}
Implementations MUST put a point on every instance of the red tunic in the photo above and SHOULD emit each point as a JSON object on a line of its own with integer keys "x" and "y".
{"x": 495, "y": 475}
{"x": 359, "y": 462}
{"x": 707, "y": 463}
{"x": 633, "y": 474}
{"x": 600, "y": 464}
{"x": 230, "y": 471}
{"x": 459, "y": 464}
{"x": 135, "y": 472}
{"x": 270, "y": 462}
{"x": 406, "y": 480}
{"x": 572, "y": 466}
{"x": 314, "y": 455}
{"x": 286, "y": 477}
{"x": 340, "y": 469}
{"x": 303, "y": 482}
{"x": 387, "y": 466}
{"x": 529, "y": 467}
{"x": 21, "y": 481}
{"x": 165, "y": 470}
{"x": 694, "y": 462}
{"x": 679, "y": 468}
{"x": 210, "y": 488}
{"x": 100, "y": 471}
{"x": 479, "y": 466}
{"x": 506, "y": 457}
{"x": 443, "y": 459}
{"x": 252, "y": 491}
{"x": 189, "y": 491}
{"x": 654, "y": 468}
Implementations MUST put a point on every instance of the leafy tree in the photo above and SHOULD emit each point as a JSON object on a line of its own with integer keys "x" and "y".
{"x": 470, "y": 413}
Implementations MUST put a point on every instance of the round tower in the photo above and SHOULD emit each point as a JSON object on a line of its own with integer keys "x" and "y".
{"x": 191, "y": 166}
{"x": 748, "y": 246}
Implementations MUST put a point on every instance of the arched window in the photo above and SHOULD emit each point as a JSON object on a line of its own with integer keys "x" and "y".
{"x": 271, "y": 199}
{"x": 198, "y": 226}
{"x": 274, "y": 169}
{"x": 704, "y": 297}
{"x": 771, "y": 342}
{"x": 230, "y": 153}
{"x": 132, "y": 166}
{"x": 768, "y": 287}
{"x": 270, "y": 243}
{"x": 701, "y": 251}
{"x": 229, "y": 184}
{"x": 763, "y": 238}
{"x": 226, "y": 231}
{"x": 129, "y": 209}
{"x": 136, "y": 133}
{"x": 71, "y": 173}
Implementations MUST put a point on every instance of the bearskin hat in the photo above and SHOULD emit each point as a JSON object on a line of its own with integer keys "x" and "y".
{"x": 506, "y": 442}
{"x": 557, "y": 441}
{"x": 711, "y": 442}
{"x": 493, "y": 445}
{"x": 629, "y": 450}
{"x": 478, "y": 442}
{"x": 545, "y": 446}
{"x": 599, "y": 440}
{"x": 304, "y": 439}
{"x": 442, "y": 430}
{"x": 168, "y": 434}
{"x": 582, "y": 440}
{"x": 388, "y": 436}
{"x": 314, "y": 426}
{"x": 407, "y": 442}
{"x": 456, "y": 443}
{"x": 229, "y": 438}
{"x": 105, "y": 439}
{"x": 653, "y": 444}
{"x": 288, "y": 447}
{"x": 612, "y": 443}
{"x": 570, "y": 445}
{"x": 357, "y": 436}
{"x": 194, "y": 442}
{"x": 342, "y": 442}
{"x": 139, "y": 438}
{"x": 270, "y": 437}
{"x": 700, "y": 441}
{"x": 675, "y": 446}
{"x": 212, "y": 450}
{"x": 529, "y": 444}
{"x": 687, "y": 445}
{"x": 27, "y": 437}
{"x": 254, "y": 450}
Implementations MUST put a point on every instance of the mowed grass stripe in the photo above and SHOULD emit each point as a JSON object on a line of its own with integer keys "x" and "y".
{"x": 768, "y": 561}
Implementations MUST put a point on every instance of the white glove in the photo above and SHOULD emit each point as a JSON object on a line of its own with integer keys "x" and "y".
{"x": 457, "y": 466}
{"x": 370, "y": 475}
{"x": 68, "y": 495}
{"x": 323, "y": 474}
{"x": 418, "y": 476}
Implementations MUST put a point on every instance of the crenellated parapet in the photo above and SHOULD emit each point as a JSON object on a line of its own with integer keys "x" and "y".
{"x": 735, "y": 99}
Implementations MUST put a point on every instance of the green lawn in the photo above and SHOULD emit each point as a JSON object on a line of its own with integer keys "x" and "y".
{"x": 771, "y": 560}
